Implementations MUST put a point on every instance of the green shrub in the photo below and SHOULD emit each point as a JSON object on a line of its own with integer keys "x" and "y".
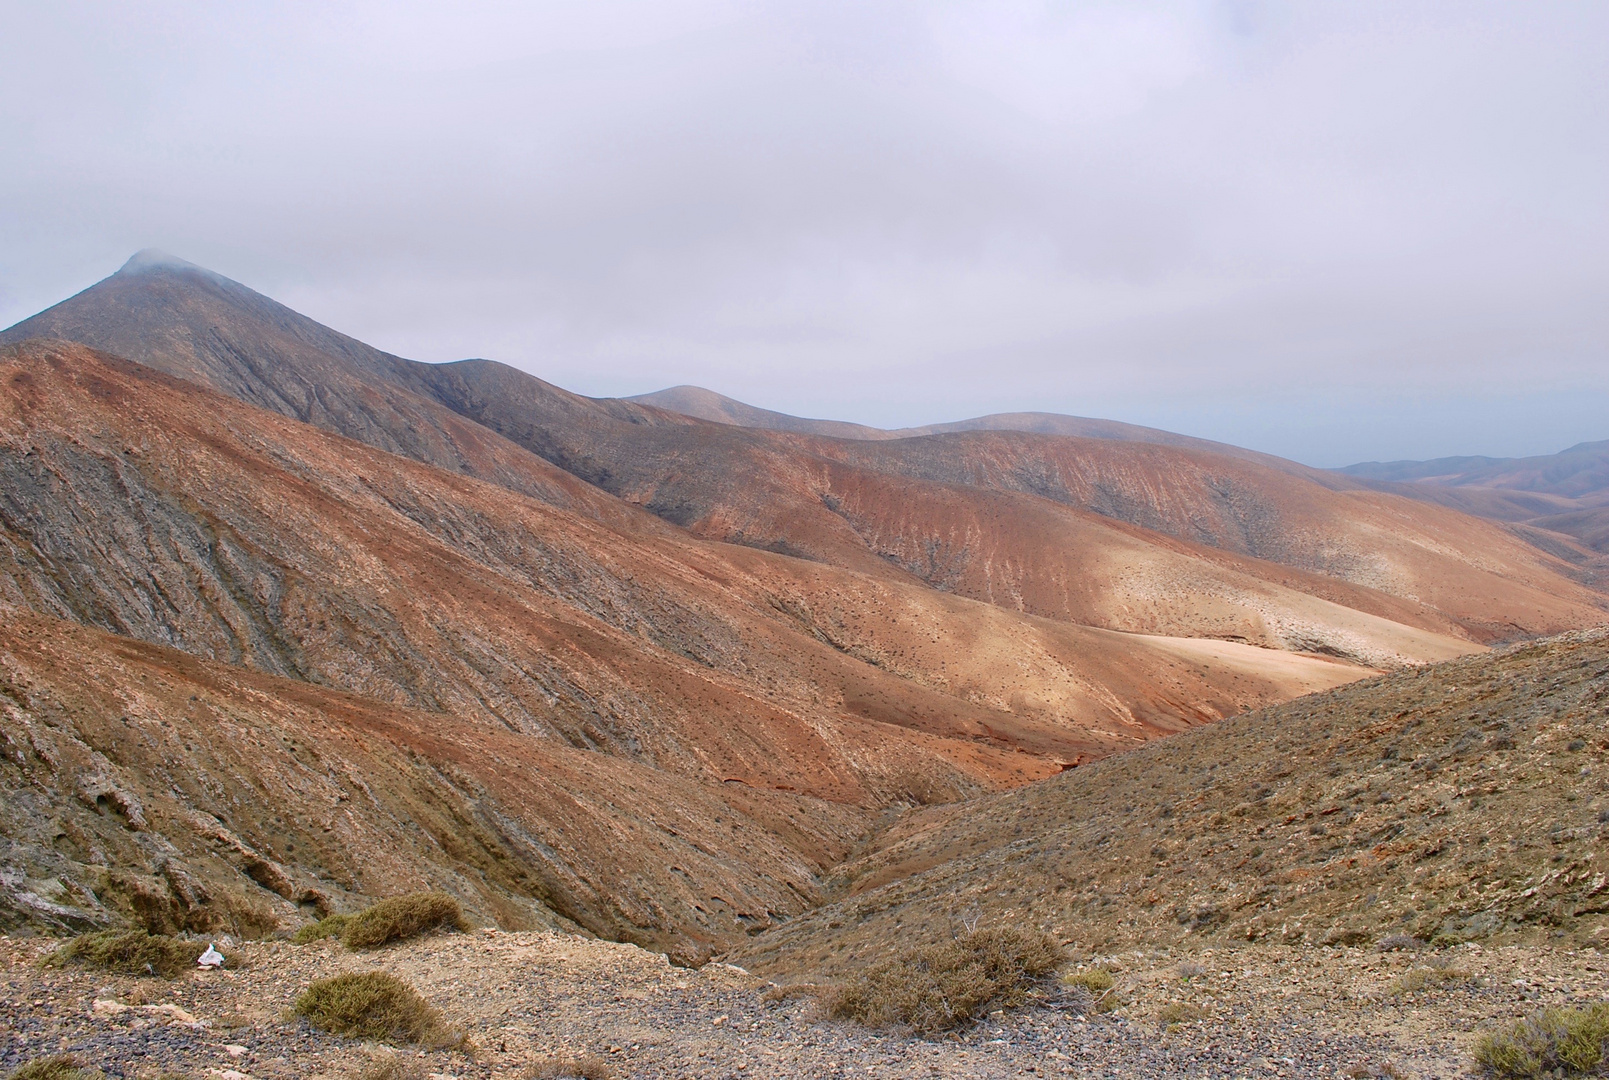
{"x": 131, "y": 952}
{"x": 402, "y": 917}
{"x": 373, "y": 1005}
{"x": 1574, "y": 1041}
{"x": 329, "y": 926}
{"x": 62, "y": 1067}
{"x": 935, "y": 987}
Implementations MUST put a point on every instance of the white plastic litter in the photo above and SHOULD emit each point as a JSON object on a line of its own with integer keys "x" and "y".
{"x": 212, "y": 958}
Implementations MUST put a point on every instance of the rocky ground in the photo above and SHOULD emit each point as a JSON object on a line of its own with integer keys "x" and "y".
{"x": 523, "y": 998}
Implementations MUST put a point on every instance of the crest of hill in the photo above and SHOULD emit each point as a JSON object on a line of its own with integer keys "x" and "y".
{"x": 1461, "y": 801}
{"x": 945, "y": 511}
{"x": 705, "y": 404}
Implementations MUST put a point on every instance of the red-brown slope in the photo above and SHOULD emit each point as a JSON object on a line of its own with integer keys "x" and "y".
{"x": 183, "y": 792}
{"x": 785, "y": 491}
{"x": 147, "y": 506}
{"x": 775, "y": 492}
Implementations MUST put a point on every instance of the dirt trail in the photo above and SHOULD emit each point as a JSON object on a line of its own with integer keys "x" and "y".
{"x": 1265, "y": 1011}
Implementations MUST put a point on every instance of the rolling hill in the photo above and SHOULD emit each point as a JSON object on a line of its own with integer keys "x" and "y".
{"x": 1463, "y": 801}
{"x": 599, "y": 663}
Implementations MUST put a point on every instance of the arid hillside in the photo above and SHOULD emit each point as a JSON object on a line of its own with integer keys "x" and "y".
{"x": 1464, "y": 801}
{"x": 789, "y": 692}
{"x": 1032, "y": 522}
{"x": 1559, "y": 502}
{"x": 569, "y": 638}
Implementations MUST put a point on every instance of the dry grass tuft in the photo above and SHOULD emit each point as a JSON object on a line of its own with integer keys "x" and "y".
{"x": 586, "y": 1067}
{"x": 1170, "y": 1016}
{"x": 374, "y": 1005}
{"x": 1385, "y": 1070}
{"x": 1563, "y": 1042}
{"x": 402, "y": 917}
{"x": 394, "y": 1067}
{"x": 1431, "y": 977}
{"x": 327, "y": 927}
{"x": 130, "y": 952}
{"x": 936, "y": 987}
{"x": 61, "y": 1067}
{"x": 1099, "y": 984}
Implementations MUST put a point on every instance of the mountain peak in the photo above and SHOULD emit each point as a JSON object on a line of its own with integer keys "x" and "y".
{"x": 147, "y": 259}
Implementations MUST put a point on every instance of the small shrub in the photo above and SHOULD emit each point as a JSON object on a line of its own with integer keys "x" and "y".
{"x": 402, "y": 917}
{"x": 61, "y": 1067}
{"x": 791, "y": 991}
{"x": 1385, "y": 1070}
{"x": 1099, "y": 984}
{"x": 1178, "y": 1013}
{"x": 1189, "y": 969}
{"x": 1573, "y": 1041}
{"x": 394, "y": 1067}
{"x": 131, "y": 952}
{"x": 327, "y": 927}
{"x": 586, "y": 1067}
{"x": 935, "y": 987}
{"x": 373, "y": 1005}
{"x": 1425, "y": 978}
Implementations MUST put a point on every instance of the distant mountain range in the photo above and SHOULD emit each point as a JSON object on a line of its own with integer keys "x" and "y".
{"x": 274, "y": 595}
{"x": 1564, "y": 494}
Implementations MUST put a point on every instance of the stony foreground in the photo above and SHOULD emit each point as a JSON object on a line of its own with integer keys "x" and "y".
{"x": 525, "y": 997}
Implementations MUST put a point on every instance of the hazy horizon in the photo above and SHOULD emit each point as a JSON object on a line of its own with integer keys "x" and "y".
{"x": 1336, "y": 233}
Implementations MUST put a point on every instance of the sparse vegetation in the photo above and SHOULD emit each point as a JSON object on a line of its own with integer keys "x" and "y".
{"x": 940, "y": 986}
{"x": 373, "y": 1005}
{"x": 1564, "y": 1042}
{"x": 1099, "y": 984}
{"x": 327, "y": 927}
{"x": 61, "y": 1067}
{"x": 586, "y": 1067}
{"x": 400, "y": 918}
{"x": 131, "y": 952}
{"x": 1426, "y": 977}
{"x": 1385, "y": 1070}
{"x": 394, "y": 1067}
{"x": 1177, "y": 1013}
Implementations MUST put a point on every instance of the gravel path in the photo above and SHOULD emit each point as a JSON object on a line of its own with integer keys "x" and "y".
{"x": 1266, "y": 1011}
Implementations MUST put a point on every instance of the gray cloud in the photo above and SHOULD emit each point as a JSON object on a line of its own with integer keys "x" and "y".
{"x": 1335, "y": 231}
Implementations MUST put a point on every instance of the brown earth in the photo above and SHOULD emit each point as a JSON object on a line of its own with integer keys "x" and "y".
{"x": 652, "y": 676}
{"x": 800, "y": 698}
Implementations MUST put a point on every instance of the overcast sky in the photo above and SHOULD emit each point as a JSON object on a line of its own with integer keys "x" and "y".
{"x": 1331, "y": 231}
